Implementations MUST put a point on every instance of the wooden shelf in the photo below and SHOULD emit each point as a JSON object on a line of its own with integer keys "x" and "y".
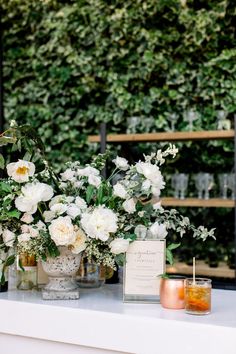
{"x": 222, "y": 271}
{"x": 165, "y": 136}
{"x": 195, "y": 202}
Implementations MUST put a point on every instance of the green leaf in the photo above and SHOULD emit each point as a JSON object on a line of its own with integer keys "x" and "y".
{"x": 14, "y": 214}
{"x": 2, "y": 162}
{"x": 89, "y": 193}
{"x": 5, "y": 187}
{"x": 100, "y": 195}
{"x": 9, "y": 261}
{"x": 173, "y": 246}
{"x": 169, "y": 256}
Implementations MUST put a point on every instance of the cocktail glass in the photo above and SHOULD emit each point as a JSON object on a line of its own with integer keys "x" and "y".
{"x": 223, "y": 180}
{"x": 198, "y": 296}
{"x": 231, "y": 184}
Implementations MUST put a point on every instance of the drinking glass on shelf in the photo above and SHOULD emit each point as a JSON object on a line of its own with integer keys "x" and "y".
{"x": 179, "y": 183}
{"x": 198, "y": 296}
{"x": 223, "y": 180}
{"x": 204, "y": 183}
{"x": 222, "y": 122}
{"x": 148, "y": 124}
{"x": 133, "y": 124}
{"x": 172, "y": 117}
{"x": 231, "y": 184}
{"x": 190, "y": 116}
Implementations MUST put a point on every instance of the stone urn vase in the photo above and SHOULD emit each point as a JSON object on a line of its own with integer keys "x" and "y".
{"x": 61, "y": 273}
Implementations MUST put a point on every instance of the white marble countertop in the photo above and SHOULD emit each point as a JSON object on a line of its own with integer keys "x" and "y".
{"x": 100, "y": 319}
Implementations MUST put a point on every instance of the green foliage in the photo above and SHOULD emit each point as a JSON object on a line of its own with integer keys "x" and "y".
{"x": 70, "y": 65}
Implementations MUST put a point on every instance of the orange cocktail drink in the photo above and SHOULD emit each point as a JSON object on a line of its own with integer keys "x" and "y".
{"x": 198, "y": 296}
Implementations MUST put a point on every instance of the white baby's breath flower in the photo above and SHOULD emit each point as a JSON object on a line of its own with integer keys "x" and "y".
{"x": 119, "y": 245}
{"x": 140, "y": 231}
{"x": 49, "y": 215}
{"x": 23, "y": 238}
{"x": 158, "y": 230}
{"x": 21, "y": 171}
{"x": 58, "y": 209}
{"x": 121, "y": 163}
{"x": 79, "y": 244}
{"x": 8, "y": 238}
{"x": 81, "y": 203}
{"x": 120, "y": 191}
{"x": 129, "y": 206}
{"x": 62, "y": 231}
{"x": 73, "y": 211}
{"x": 67, "y": 175}
{"x": 94, "y": 180}
{"x": 99, "y": 223}
{"x": 27, "y": 218}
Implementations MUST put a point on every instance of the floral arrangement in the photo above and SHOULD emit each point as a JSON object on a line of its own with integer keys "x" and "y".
{"x": 80, "y": 209}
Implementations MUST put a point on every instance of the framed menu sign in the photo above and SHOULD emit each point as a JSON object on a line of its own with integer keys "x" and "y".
{"x": 145, "y": 261}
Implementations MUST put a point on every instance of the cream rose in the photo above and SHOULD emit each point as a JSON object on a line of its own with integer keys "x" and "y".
{"x": 121, "y": 163}
{"x": 120, "y": 191}
{"x": 62, "y": 231}
{"x": 79, "y": 244}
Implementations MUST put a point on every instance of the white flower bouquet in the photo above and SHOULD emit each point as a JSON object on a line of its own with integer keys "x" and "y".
{"x": 81, "y": 210}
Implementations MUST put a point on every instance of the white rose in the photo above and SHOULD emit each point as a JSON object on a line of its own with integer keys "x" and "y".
{"x": 87, "y": 171}
{"x": 121, "y": 163}
{"x": 73, "y": 211}
{"x": 119, "y": 245}
{"x": 77, "y": 184}
{"x": 21, "y": 171}
{"x": 152, "y": 173}
{"x": 34, "y": 232}
{"x": 129, "y": 206}
{"x": 140, "y": 231}
{"x": 25, "y": 229}
{"x": 94, "y": 180}
{"x": 41, "y": 226}
{"x": 70, "y": 199}
{"x": 99, "y": 223}
{"x": 55, "y": 200}
{"x": 62, "y": 231}
{"x": 58, "y": 208}
{"x": 68, "y": 175}
{"x": 81, "y": 203}
{"x": 79, "y": 244}
{"x": 27, "y": 218}
{"x": 8, "y": 238}
{"x": 48, "y": 215}
{"x": 23, "y": 238}
{"x": 158, "y": 230}
{"x": 120, "y": 191}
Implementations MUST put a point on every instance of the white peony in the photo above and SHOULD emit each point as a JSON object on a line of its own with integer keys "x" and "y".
{"x": 140, "y": 231}
{"x": 79, "y": 244}
{"x": 129, "y": 206}
{"x": 120, "y": 191}
{"x": 21, "y": 171}
{"x": 121, "y": 163}
{"x": 62, "y": 231}
{"x": 58, "y": 209}
{"x": 8, "y": 238}
{"x": 27, "y": 218}
{"x": 119, "y": 245}
{"x": 23, "y": 238}
{"x": 48, "y": 215}
{"x": 73, "y": 211}
{"x": 94, "y": 180}
{"x": 68, "y": 175}
{"x": 158, "y": 230}
{"x": 81, "y": 203}
{"x": 99, "y": 223}
{"x": 32, "y": 194}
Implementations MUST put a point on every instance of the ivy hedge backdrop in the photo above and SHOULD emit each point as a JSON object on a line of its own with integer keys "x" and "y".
{"x": 70, "y": 65}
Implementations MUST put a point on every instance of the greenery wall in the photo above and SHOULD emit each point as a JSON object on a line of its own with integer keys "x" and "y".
{"x": 69, "y": 65}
